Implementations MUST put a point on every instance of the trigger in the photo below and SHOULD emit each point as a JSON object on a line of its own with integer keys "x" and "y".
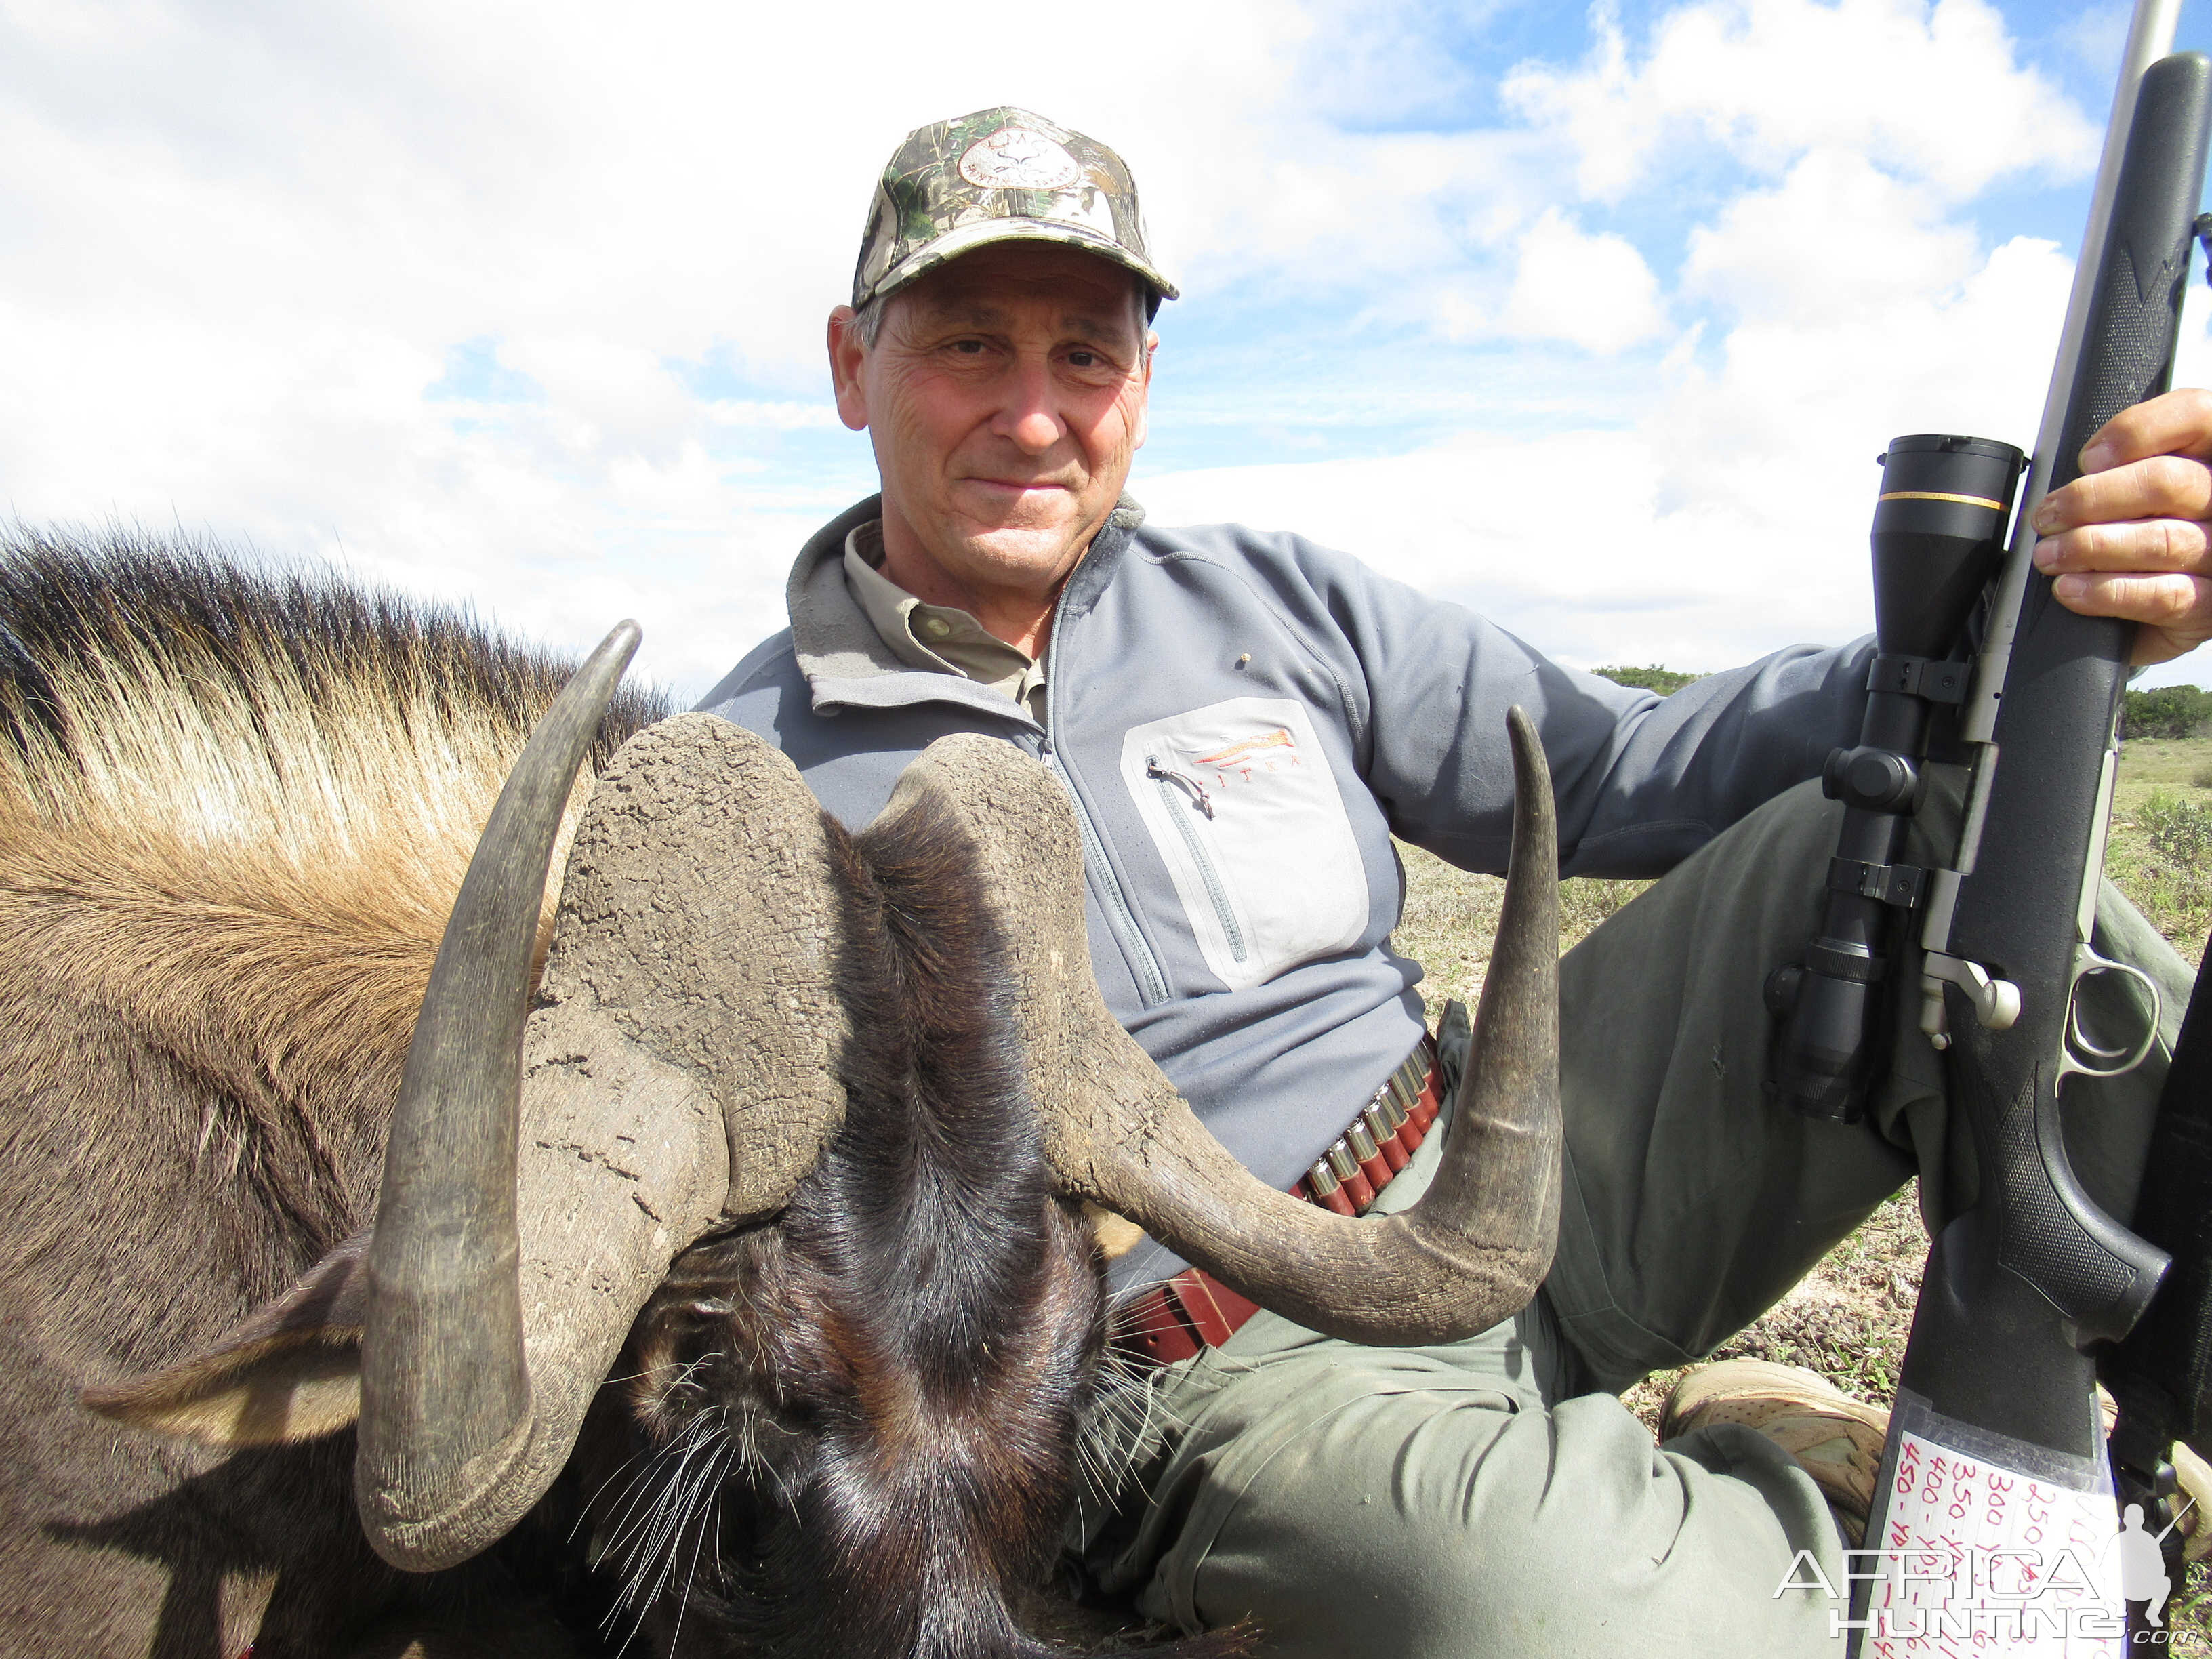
{"x": 2090, "y": 1051}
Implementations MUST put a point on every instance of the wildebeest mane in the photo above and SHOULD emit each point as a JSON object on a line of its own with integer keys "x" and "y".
{"x": 234, "y": 807}
{"x": 123, "y": 646}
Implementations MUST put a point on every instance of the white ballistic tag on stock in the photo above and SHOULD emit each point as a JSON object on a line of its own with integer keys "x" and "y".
{"x": 1989, "y": 1545}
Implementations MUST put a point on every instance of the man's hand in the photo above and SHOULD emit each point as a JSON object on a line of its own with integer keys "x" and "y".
{"x": 2132, "y": 537}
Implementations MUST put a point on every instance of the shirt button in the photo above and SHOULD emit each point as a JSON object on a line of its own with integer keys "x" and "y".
{"x": 936, "y": 627}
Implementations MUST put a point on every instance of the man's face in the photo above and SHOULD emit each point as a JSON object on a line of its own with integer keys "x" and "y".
{"x": 1006, "y": 400}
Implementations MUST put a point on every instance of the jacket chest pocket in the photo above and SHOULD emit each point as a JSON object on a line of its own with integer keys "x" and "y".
{"x": 1243, "y": 810}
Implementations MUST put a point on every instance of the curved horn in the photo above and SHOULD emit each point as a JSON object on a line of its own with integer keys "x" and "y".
{"x": 1496, "y": 1193}
{"x": 1470, "y": 1253}
{"x": 444, "y": 1392}
{"x": 676, "y": 1074}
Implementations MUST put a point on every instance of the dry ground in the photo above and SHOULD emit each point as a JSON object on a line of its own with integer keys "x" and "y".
{"x": 1849, "y": 1317}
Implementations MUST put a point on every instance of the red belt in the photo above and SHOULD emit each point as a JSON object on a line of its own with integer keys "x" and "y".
{"x": 1193, "y": 1311}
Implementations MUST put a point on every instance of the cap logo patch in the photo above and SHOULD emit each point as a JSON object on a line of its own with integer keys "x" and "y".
{"x": 1017, "y": 158}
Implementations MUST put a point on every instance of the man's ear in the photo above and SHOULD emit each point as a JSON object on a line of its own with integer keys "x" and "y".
{"x": 1143, "y": 422}
{"x": 848, "y": 356}
{"x": 290, "y": 1373}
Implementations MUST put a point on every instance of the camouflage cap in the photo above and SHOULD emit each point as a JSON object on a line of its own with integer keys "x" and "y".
{"x": 999, "y": 175}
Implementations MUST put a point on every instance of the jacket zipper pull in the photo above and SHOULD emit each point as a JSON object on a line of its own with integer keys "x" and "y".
{"x": 1190, "y": 785}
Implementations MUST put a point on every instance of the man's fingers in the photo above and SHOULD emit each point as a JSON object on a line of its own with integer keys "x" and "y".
{"x": 2173, "y": 423}
{"x": 2161, "y": 487}
{"x": 2147, "y": 546}
{"x": 2175, "y": 611}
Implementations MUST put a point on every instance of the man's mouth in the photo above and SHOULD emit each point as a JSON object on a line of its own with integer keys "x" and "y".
{"x": 1019, "y": 486}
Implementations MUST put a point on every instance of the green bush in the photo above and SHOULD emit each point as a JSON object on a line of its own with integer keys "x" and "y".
{"x": 2179, "y": 829}
{"x": 2171, "y": 711}
{"x": 2180, "y": 864}
{"x": 1665, "y": 681}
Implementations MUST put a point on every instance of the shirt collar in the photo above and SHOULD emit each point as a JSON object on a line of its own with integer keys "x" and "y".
{"x": 847, "y": 663}
{"x": 939, "y": 637}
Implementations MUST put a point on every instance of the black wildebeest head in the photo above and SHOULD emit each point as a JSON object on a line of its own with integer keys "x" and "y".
{"x": 787, "y": 1139}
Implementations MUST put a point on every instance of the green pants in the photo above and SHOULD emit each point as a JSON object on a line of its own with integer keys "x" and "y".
{"x": 1492, "y": 1497}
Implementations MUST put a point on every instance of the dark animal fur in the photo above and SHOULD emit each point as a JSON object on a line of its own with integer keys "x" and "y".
{"x": 896, "y": 1371}
{"x": 849, "y": 1434}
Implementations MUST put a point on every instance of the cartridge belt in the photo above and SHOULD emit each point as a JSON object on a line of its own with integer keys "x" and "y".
{"x": 1193, "y": 1311}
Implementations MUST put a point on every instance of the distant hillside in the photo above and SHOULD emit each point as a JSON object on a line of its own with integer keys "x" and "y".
{"x": 1665, "y": 681}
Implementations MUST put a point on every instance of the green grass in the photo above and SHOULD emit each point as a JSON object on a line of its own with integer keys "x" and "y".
{"x": 1449, "y": 916}
{"x": 2161, "y": 851}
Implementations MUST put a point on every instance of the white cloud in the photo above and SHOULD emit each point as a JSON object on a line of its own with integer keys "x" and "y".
{"x": 1836, "y": 233}
{"x": 2097, "y": 35}
{"x": 779, "y": 416}
{"x": 1592, "y": 291}
{"x": 1933, "y": 94}
{"x": 243, "y": 245}
{"x": 1722, "y": 512}
{"x": 1730, "y": 519}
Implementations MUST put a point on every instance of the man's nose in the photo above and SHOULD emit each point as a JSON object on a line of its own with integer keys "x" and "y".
{"x": 1028, "y": 417}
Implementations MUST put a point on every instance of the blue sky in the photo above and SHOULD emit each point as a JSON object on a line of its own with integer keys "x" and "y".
{"x": 1592, "y": 319}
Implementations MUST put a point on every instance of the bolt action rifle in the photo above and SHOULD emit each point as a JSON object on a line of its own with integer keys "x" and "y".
{"x": 1996, "y": 1450}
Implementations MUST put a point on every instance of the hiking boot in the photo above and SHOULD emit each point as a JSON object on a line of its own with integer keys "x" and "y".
{"x": 1836, "y": 1439}
{"x": 2192, "y": 1480}
{"x": 2193, "y": 1496}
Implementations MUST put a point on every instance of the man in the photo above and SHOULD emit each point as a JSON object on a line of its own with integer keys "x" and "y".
{"x": 1241, "y": 722}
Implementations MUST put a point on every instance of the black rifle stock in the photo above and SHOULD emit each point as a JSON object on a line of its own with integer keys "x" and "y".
{"x": 2033, "y": 1278}
{"x": 2025, "y": 907}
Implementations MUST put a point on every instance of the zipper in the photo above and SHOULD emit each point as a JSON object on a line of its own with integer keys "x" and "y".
{"x": 1185, "y": 791}
{"x": 1113, "y": 903}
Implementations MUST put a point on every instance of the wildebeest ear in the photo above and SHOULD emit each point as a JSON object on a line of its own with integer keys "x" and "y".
{"x": 290, "y": 1373}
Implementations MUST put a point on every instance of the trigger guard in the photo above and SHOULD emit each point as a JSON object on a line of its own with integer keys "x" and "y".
{"x": 2088, "y": 965}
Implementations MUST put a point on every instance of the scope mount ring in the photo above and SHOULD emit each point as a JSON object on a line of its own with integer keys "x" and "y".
{"x": 2078, "y": 1044}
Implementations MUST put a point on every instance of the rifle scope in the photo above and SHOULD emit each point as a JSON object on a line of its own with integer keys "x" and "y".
{"x": 1939, "y": 525}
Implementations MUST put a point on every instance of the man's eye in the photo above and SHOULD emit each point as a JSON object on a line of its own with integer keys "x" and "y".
{"x": 968, "y": 348}
{"x": 1084, "y": 359}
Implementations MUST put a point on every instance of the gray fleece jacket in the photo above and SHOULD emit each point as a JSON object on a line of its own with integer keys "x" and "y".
{"x": 1242, "y": 722}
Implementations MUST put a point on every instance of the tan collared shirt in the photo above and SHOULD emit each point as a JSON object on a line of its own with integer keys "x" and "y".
{"x": 939, "y": 637}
